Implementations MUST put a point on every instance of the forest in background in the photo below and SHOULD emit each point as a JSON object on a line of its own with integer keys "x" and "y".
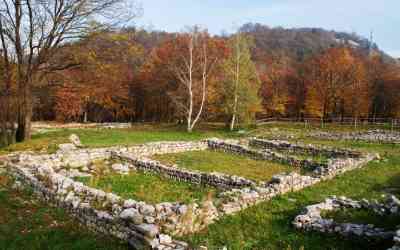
{"x": 126, "y": 75}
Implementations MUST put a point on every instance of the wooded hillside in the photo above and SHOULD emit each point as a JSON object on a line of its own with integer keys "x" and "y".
{"x": 133, "y": 75}
{"x": 126, "y": 76}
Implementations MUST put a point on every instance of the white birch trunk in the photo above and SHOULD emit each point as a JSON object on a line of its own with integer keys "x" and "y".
{"x": 237, "y": 71}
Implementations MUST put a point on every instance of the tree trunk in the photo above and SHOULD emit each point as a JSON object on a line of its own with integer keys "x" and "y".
{"x": 24, "y": 112}
{"x": 24, "y": 125}
{"x": 85, "y": 117}
{"x": 232, "y": 126}
{"x": 237, "y": 75}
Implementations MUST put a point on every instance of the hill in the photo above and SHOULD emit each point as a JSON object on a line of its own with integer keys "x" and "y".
{"x": 299, "y": 43}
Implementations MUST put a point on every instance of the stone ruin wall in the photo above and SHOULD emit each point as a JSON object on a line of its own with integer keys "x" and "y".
{"x": 311, "y": 219}
{"x": 143, "y": 224}
{"x": 379, "y": 136}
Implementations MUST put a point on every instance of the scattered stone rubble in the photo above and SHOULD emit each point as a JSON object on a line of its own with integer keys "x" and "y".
{"x": 377, "y": 135}
{"x": 150, "y": 225}
{"x": 311, "y": 219}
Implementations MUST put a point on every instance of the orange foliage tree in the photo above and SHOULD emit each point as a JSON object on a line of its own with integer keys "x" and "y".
{"x": 334, "y": 78}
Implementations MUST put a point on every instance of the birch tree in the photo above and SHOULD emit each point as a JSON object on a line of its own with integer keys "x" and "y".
{"x": 192, "y": 70}
{"x": 241, "y": 84}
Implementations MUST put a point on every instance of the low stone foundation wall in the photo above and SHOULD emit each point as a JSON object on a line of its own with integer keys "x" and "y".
{"x": 380, "y": 136}
{"x": 218, "y": 180}
{"x": 237, "y": 199}
{"x": 287, "y": 147}
{"x": 312, "y": 220}
{"x": 75, "y": 157}
{"x": 265, "y": 154}
{"x": 139, "y": 223}
{"x": 76, "y": 125}
{"x": 149, "y": 225}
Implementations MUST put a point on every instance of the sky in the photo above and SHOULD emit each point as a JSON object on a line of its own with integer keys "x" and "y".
{"x": 382, "y": 17}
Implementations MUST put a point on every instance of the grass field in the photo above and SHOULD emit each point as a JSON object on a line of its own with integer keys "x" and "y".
{"x": 148, "y": 187}
{"x": 265, "y": 226}
{"x": 214, "y": 161}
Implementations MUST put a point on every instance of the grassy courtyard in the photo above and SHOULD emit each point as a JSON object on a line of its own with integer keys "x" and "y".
{"x": 215, "y": 161}
{"x": 24, "y": 222}
{"x": 148, "y": 187}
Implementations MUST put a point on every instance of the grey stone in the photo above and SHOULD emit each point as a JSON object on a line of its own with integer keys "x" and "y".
{"x": 133, "y": 215}
{"x": 165, "y": 239}
{"x": 148, "y": 220}
{"x": 130, "y": 203}
{"x": 147, "y": 209}
{"x": 67, "y": 147}
{"x": 149, "y": 230}
{"x": 74, "y": 139}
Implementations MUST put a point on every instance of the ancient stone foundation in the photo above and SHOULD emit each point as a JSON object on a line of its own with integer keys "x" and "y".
{"x": 379, "y": 136}
{"x": 311, "y": 218}
{"x": 153, "y": 225}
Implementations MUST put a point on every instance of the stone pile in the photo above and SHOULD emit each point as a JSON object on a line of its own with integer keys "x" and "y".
{"x": 377, "y": 135}
{"x": 312, "y": 220}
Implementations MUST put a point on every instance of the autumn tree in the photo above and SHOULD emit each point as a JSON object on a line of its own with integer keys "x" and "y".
{"x": 69, "y": 105}
{"x": 107, "y": 62}
{"x": 334, "y": 77}
{"x": 193, "y": 64}
{"x": 384, "y": 85}
{"x": 275, "y": 74}
{"x": 8, "y": 100}
{"x": 241, "y": 82}
{"x": 31, "y": 31}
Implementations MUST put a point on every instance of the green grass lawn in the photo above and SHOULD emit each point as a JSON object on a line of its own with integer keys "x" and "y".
{"x": 264, "y": 226}
{"x": 149, "y": 188}
{"x": 357, "y": 216}
{"x": 215, "y": 161}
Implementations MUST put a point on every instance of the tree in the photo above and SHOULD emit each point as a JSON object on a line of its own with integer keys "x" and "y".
{"x": 241, "y": 83}
{"x": 7, "y": 103}
{"x": 337, "y": 85}
{"x": 275, "y": 84}
{"x": 195, "y": 61}
{"x": 107, "y": 62}
{"x": 31, "y": 31}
